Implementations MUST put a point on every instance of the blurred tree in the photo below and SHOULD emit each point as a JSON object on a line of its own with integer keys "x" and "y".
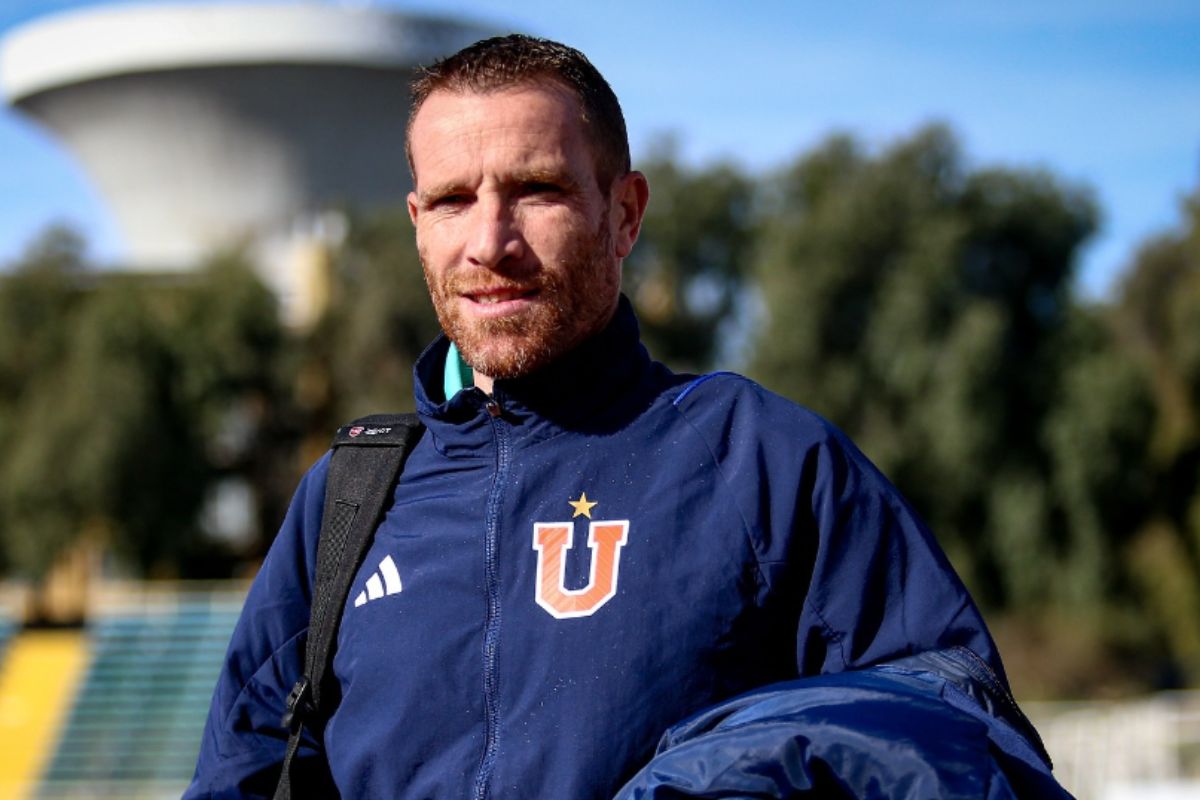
{"x": 1158, "y": 312}
{"x": 41, "y": 290}
{"x": 688, "y": 274}
{"x": 926, "y": 308}
{"x": 1159, "y": 308}
{"x": 37, "y": 299}
{"x": 236, "y": 385}
{"x": 1097, "y": 436}
{"x": 359, "y": 358}
{"x": 139, "y": 407}
{"x": 921, "y": 307}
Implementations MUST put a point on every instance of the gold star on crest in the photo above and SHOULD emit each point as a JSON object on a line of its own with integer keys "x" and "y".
{"x": 582, "y": 506}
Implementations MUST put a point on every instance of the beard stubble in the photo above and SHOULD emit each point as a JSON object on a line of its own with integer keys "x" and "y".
{"x": 575, "y": 301}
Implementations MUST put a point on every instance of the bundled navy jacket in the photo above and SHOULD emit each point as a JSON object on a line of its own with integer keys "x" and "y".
{"x": 933, "y": 725}
{"x": 569, "y": 569}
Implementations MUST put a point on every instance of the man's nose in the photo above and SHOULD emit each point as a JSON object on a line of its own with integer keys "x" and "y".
{"x": 495, "y": 237}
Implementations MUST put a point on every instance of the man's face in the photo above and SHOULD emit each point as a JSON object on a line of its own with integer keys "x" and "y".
{"x": 521, "y": 248}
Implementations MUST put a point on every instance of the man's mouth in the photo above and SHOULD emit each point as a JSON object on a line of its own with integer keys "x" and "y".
{"x": 491, "y": 297}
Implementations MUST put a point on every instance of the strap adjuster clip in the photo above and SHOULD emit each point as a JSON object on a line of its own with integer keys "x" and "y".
{"x": 299, "y": 705}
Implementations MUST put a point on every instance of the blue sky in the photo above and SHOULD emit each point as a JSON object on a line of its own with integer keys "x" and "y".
{"x": 1101, "y": 93}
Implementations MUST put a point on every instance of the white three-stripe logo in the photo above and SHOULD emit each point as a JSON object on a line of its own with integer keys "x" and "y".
{"x": 377, "y": 588}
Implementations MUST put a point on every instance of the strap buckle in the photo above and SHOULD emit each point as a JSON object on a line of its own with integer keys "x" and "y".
{"x": 299, "y": 705}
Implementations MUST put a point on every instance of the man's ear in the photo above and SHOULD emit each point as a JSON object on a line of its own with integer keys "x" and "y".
{"x": 629, "y": 195}
{"x": 412, "y": 207}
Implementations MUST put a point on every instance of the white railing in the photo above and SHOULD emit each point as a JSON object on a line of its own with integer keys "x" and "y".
{"x": 1144, "y": 748}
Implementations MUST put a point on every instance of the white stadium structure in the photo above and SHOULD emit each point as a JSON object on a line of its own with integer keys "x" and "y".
{"x": 223, "y": 124}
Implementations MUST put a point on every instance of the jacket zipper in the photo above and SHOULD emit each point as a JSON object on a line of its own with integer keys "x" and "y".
{"x": 491, "y": 630}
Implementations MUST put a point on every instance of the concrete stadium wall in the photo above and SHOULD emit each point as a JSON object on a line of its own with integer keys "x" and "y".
{"x": 194, "y": 159}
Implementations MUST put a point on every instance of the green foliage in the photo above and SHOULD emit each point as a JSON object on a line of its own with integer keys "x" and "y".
{"x": 121, "y": 404}
{"x": 1159, "y": 308}
{"x": 128, "y": 398}
{"x": 360, "y": 356}
{"x": 41, "y": 292}
{"x": 920, "y": 306}
{"x": 688, "y": 273}
{"x": 1096, "y": 436}
{"x": 130, "y": 449}
{"x": 926, "y": 308}
{"x": 1158, "y": 313}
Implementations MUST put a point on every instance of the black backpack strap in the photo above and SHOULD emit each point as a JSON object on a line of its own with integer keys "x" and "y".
{"x": 367, "y": 457}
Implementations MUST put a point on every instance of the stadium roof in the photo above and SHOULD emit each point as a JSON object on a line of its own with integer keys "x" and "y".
{"x": 99, "y": 42}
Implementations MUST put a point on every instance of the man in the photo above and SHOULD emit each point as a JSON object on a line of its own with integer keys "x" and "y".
{"x": 584, "y": 548}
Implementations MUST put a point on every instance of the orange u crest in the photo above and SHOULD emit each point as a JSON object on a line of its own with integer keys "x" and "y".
{"x": 552, "y": 540}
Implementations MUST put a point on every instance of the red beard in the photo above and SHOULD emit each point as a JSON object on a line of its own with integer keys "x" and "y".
{"x": 574, "y": 300}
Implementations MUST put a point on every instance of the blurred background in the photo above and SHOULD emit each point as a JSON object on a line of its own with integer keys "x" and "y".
{"x": 967, "y": 234}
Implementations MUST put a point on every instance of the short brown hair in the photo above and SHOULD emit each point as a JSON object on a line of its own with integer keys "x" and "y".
{"x": 504, "y": 62}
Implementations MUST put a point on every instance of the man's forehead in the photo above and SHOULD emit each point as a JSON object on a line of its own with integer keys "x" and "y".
{"x": 532, "y": 126}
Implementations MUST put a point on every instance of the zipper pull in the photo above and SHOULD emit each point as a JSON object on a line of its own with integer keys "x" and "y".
{"x": 493, "y": 408}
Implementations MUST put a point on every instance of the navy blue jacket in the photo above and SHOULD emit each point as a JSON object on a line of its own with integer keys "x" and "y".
{"x": 737, "y": 540}
{"x": 933, "y": 725}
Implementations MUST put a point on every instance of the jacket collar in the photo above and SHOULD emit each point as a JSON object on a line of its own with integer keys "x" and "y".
{"x": 596, "y": 387}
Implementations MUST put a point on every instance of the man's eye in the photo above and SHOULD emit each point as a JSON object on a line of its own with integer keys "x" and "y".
{"x": 449, "y": 201}
{"x": 541, "y": 188}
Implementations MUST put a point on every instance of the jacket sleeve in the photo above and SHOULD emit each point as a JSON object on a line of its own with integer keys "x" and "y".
{"x": 243, "y": 742}
{"x": 900, "y": 691}
{"x": 859, "y": 571}
{"x": 880, "y": 587}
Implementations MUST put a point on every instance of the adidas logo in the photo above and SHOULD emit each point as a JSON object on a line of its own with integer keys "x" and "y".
{"x": 377, "y": 588}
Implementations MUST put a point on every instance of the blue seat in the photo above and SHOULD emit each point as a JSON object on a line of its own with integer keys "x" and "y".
{"x": 139, "y": 712}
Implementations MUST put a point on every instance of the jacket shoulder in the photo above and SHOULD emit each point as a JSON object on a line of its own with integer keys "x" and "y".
{"x": 730, "y": 410}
